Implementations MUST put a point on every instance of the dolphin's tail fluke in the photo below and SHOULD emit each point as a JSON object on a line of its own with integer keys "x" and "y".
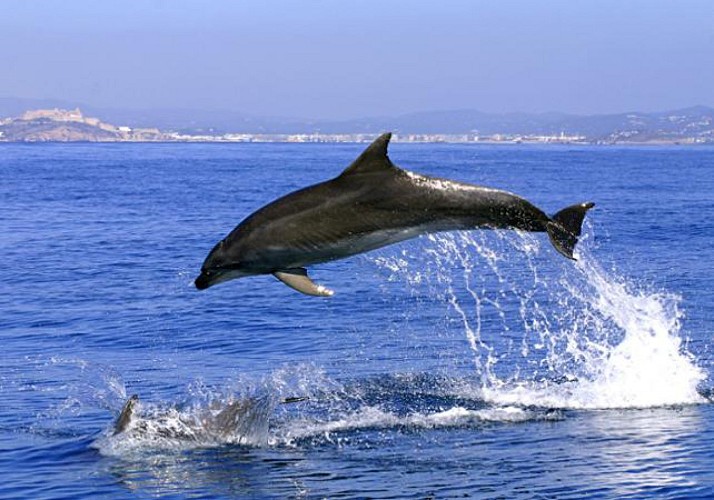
{"x": 566, "y": 226}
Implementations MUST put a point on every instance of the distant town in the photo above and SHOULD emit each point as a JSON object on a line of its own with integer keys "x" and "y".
{"x": 60, "y": 125}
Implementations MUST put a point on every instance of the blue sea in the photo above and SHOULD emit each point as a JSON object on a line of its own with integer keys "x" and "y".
{"x": 475, "y": 364}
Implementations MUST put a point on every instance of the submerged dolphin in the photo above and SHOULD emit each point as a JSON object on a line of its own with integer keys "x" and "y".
{"x": 373, "y": 203}
{"x": 223, "y": 421}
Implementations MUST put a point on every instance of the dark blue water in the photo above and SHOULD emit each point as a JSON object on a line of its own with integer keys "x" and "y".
{"x": 477, "y": 364}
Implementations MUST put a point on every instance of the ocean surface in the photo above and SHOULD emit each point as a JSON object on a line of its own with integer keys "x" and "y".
{"x": 479, "y": 364}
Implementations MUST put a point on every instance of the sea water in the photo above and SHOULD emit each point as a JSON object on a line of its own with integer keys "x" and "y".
{"x": 477, "y": 364}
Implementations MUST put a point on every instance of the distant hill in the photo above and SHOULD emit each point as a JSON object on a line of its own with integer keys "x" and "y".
{"x": 11, "y": 107}
{"x": 695, "y": 124}
{"x": 59, "y": 125}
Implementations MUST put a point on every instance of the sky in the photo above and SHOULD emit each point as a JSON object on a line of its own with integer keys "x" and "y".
{"x": 349, "y": 59}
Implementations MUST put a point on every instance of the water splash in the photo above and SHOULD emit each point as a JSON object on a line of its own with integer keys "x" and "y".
{"x": 238, "y": 413}
{"x": 551, "y": 333}
{"x": 242, "y": 421}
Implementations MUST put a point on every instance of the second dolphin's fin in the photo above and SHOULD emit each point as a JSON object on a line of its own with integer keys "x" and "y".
{"x": 126, "y": 413}
{"x": 298, "y": 279}
{"x": 294, "y": 399}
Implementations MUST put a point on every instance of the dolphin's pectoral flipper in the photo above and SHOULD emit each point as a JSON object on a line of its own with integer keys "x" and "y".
{"x": 126, "y": 413}
{"x": 297, "y": 279}
{"x": 566, "y": 226}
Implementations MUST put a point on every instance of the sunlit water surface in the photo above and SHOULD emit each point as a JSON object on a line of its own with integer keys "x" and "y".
{"x": 477, "y": 364}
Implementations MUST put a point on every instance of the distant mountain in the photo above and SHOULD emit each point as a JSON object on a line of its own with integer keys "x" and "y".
{"x": 690, "y": 122}
{"x": 11, "y": 107}
{"x": 696, "y": 123}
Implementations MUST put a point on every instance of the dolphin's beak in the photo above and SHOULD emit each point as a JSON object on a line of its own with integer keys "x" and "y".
{"x": 203, "y": 281}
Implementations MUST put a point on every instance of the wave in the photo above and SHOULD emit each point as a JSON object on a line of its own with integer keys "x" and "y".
{"x": 333, "y": 414}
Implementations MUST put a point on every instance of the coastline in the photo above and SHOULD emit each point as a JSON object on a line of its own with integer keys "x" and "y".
{"x": 68, "y": 126}
{"x": 653, "y": 143}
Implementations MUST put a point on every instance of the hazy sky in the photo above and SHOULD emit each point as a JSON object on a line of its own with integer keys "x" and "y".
{"x": 338, "y": 59}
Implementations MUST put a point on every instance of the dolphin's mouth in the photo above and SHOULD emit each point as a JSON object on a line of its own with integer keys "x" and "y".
{"x": 218, "y": 275}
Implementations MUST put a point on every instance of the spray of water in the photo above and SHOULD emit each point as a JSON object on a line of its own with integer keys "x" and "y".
{"x": 551, "y": 333}
{"x": 542, "y": 333}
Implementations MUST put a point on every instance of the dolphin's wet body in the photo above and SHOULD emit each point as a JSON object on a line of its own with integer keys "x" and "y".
{"x": 373, "y": 203}
{"x": 222, "y": 422}
{"x": 170, "y": 425}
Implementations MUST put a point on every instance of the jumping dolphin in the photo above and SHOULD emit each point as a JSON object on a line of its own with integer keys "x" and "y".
{"x": 373, "y": 203}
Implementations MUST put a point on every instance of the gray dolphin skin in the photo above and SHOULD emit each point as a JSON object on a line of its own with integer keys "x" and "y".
{"x": 373, "y": 203}
{"x": 224, "y": 421}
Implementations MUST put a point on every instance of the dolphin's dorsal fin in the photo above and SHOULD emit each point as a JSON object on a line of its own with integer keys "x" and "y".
{"x": 297, "y": 279}
{"x": 373, "y": 159}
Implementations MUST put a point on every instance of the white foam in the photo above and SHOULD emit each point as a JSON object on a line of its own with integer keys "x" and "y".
{"x": 373, "y": 417}
{"x": 648, "y": 367}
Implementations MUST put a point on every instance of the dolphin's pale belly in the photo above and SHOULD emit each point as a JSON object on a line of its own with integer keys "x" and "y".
{"x": 354, "y": 245}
